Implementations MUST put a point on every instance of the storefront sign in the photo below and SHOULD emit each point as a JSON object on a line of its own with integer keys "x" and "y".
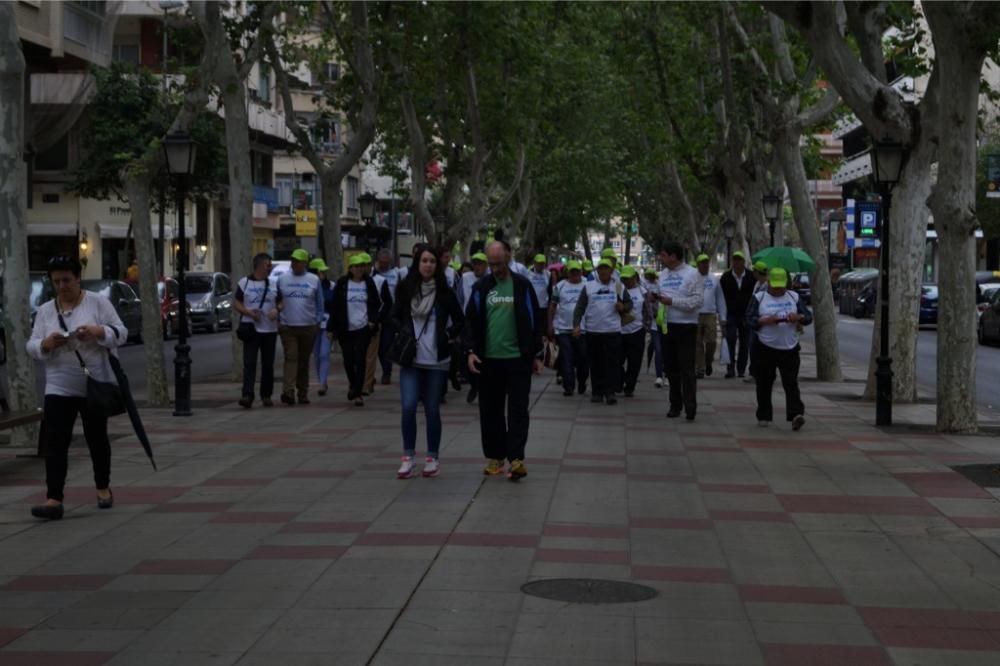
{"x": 306, "y": 223}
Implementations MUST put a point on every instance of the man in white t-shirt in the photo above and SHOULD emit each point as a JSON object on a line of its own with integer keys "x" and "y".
{"x": 302, "y": 310}
{"x": 713, "y": 311}
{"x": 681, "y": 290}
{"x": 256, "y": 300}
{"x": 572, "y": 349}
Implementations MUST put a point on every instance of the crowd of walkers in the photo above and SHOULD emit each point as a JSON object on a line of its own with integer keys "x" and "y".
{"x": 487, "y": 323}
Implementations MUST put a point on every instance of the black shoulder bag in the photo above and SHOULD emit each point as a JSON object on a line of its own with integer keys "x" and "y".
{"x": 403, "y": 350}
{"x": 247, "y": 329}
{"x": 102, "y": 397}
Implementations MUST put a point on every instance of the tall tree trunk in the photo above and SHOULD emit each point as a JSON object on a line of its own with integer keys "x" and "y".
{"x": 954, "y": 204}
{"x": 13, "y": 230}
{"x": 333, "y": 250}
{"x": 137, "y": 189}
{"x": 825, "y": 317}
{"x": 908, "y": 232}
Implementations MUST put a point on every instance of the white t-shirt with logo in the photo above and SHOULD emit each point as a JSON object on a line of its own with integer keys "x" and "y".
{"x": 601, "y": 315}
{"x": 391, "y": 276}
{"x": 302, "y": 299}
{"x": 357, "y": 305}
{"x": 715, "y": 301}
{"x": 778, "y": 336}
{"x": 540, "y": 282}
{"x": 565, "y": 296}
{"x": 685, "y": 287}
{"x": 254, "y": 298}
{"x": 634, "y": 326}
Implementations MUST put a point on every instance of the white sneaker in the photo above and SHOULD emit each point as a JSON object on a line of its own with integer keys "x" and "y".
{"x": 659, "y": 382}
{"x": 764, "y": 424}
{"x": 406, "y": 470}
{"x": 431, "y": 467}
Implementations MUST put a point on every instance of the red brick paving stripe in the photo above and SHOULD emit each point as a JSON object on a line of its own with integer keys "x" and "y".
{"x": 183, "y": 567}
{"x": 778, "y": 654}
{"x": 751, "y": 488}
{"x": 656, "y": 452}
{"x": 751, "y": 516}
{"x": 11, "y": 658}
{"x": 62, "y": 583}
{"x": 307, "y": 527}
{"x": 671, "y": 523}
{"x": 645, "y": 428}
{"x": 858, "y": 504}
{"x": 248, "y": 517}
{"x": 401, "y": 539}
{"x": 680, "y": 574}
{"x": 974, "y": 522}
{"x": 941, "y": 484}
{"x": 318, "y": 474}
{"x": 590, "y": 531}
{"x": 616, "y": 457}
{"x": 950, "y": 618}
{"x": 18, "y": 483}
{"x": 713, "y": 435}
{"x": 576, "y": 556}
{"x": 706, "y": 448}
{"x": 493, "y": 540}
{"x": 296, "y": 553}
{"x": 8, "y": 635}
{"x": 192, "y": 507}
{"x": 123, "y": 494}
{"x": 794, "y": 443}
{"x": 938, "y": 638}
{"x": 787, "y": 594}
{"x": 227, "y": 437}
{"x": 223, "y": 481}
{"x": 662, "y": 478}
{"x": 591, "y": 469}
{"x": 890, "y": 452}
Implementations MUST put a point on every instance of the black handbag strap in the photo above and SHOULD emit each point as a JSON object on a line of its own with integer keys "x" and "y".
{"x": 62, "y": 323}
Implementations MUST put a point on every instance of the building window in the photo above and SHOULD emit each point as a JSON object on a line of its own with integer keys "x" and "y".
{"x": 285, "y": 183}
{"x": 127, "y": 53}
{"x": 352, "y": 195}
{"x": 327, "y": 73}
{"x": 264, "y": 85}
{"x": 201, "y": 222}
{"x": 55, "y": 158}
{"x": 327, "y": 135}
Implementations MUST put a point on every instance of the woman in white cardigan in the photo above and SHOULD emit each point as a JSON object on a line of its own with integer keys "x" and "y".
{"x": 76, "y": 327}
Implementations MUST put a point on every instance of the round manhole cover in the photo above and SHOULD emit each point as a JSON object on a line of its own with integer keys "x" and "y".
{"x": 589, "y": 590}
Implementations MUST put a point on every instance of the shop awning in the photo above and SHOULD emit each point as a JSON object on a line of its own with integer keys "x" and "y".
{"x": 52, "y": 229}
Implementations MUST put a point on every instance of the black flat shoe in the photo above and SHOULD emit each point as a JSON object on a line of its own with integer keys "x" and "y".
{"x": 48, "y": 511}
{"x": 106, "y": 503}
{"x": 673, "y": 414}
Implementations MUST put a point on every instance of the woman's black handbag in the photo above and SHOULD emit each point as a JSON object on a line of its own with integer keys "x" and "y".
{"x": 102, "y": 397}
{"x": 403, "y": 350}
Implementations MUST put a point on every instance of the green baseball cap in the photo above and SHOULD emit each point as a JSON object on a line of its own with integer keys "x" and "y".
{"x": 318, "y": 264}
{"x": 358, "y": 259}
{"x": 739, "y": 255}
{"x": 605, "y": 263}
{"x": 608, "y": 253}
{"x": 701, "y": 258}
{"x": 456, "y": 264}
{"x": 760, "y": 267}
{"x": 574, "y": 265}
{"x": 649, "y": 271}
{"x": 540, "y": 259}
{"x": 777, "y": 277}
{"x": 300, "y": 255}
{"x": 588, "y": 265}
{"x": 479, "y": 256}
{"x": 628, "y": 272}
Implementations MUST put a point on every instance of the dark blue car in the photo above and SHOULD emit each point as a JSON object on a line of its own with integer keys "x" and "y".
{"x": 928, "y": 304}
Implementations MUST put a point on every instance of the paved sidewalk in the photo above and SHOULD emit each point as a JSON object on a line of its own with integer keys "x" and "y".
{"x": 281, "y": 536}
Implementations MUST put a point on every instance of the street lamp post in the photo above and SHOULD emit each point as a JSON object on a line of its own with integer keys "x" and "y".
{"x": 772, "y": 209}
{"x": 180, "y": 151}
{"x": 887, "y": 158}
{"x": 729, "y": 231}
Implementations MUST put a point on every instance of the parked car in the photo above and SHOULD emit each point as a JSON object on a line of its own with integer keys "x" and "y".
{"x": 928, "y": 305}
{"x": 124, "y": 300}
{"x": 279, "y": 268}
{"x": 865, "y": 301}
{"x": 210, "y": 296}
{"x": 989, "y": 320}
{"x": 800, "y": 285}
{"x": 166, "y": 289}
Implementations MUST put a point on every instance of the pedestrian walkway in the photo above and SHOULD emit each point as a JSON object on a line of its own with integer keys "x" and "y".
{"x": 281, "y": 536}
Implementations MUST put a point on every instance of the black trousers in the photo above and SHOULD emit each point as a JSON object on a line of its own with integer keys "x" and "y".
{"x": 264, "y": 344}
{"x": 678, "y": 357}
{"x": 504, "y": 388}
{"x": 354, "y": 347}
{"x": 60, "y": 417}
{"x": 604, "y": 351}
{"x": 632, "y": 346}
{"x": 768, "y": 362}
{"x": 573, "y": 365}
{"x": 738, "y": 339}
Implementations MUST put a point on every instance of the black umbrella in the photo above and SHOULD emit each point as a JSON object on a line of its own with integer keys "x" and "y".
{"x": 133, "y": 411}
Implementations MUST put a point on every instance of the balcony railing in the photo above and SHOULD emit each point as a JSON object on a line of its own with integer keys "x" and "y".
{"x": 267, "y": 196}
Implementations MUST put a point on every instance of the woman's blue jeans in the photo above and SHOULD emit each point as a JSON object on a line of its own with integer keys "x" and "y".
{"x": 427, "y": 386}
{"x": 321, "y": 356}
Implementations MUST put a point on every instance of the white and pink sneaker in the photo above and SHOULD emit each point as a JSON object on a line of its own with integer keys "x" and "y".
{"x": 407, "y": 469}
{"x": 431, "y": 467}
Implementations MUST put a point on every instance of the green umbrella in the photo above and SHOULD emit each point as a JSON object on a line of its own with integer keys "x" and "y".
{"x": 792, "y": 259}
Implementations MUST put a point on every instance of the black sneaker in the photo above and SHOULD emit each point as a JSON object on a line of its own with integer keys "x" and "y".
{"x": 708, "y": 370}
{"x": 581, "y": 388}
{"x": 611, "y": 399}
{"x": 568, "y": 394}
{"x": 267, "y": 402}
{"x": 673, "y": 413}
{"x": 246, "y": 403}
{"x": 798, "y": 422}
{"x": 287, "y": 399}
{"x": 48, "y": 511}
{"x": 386, "y": 379}
{"x": 629, "y": 394}
{"x": 689, "y": 416}
{"x": 473, "y": 394}
{"x": 303, "y": 400}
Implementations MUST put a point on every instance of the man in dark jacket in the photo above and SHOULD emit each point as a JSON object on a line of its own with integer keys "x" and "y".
{"x": 737, "y": 288}
{"x": 503, "y": 339}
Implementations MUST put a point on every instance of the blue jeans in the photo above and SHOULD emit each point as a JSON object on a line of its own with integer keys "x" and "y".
{"x": 573, "y": 361}
{"x": 321, "y": 352}
{"x": 427, "y": 386}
